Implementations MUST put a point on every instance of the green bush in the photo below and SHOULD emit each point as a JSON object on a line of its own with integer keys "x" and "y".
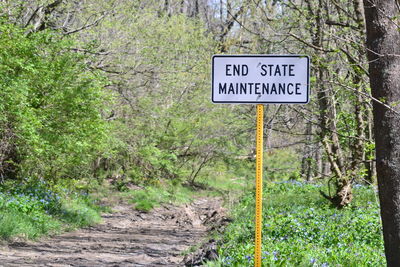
{"x": 50, "y": 107}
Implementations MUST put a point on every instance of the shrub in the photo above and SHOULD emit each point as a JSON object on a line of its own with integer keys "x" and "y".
{"x": 50, "y": 107}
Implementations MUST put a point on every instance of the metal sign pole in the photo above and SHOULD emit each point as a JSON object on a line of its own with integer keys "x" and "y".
{"x": 260, "y": 79}
{"x": 259, "y": 183}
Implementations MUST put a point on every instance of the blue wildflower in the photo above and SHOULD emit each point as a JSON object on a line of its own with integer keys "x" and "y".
{"x": 248, "y": 258}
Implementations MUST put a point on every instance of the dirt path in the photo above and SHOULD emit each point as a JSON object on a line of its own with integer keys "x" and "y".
{"x": 125, "y": 238}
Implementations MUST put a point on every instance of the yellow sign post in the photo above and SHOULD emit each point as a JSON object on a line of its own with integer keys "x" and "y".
{"x": 260, "y": 79}
{"x": 259, "y": 183}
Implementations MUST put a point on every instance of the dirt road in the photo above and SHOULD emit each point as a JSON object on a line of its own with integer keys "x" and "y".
{"x": 125, "y": 238}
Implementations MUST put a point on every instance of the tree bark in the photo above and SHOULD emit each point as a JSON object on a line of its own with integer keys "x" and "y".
{"x": 383, "y": 42}
{"x": 39, "y": 16}
{"x": 370, "y": 163}
{"x": 306, "y": 161}
{"x": 318, "y": 170}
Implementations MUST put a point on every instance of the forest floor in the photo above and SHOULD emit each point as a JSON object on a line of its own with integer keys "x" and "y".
{"x": 126, "y": 237}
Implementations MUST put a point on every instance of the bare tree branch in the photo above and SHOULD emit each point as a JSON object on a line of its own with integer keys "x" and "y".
{"x": 365, "y": 95}
{"x": 94, "y": 23}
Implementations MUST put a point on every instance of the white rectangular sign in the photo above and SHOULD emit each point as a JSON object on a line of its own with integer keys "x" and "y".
{"x": 279, "y": 79}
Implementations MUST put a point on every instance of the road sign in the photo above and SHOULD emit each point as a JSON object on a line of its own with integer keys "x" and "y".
{"x": 258, "y": 79}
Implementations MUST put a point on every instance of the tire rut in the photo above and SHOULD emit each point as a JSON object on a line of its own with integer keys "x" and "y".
{"x": 126, "y": 237}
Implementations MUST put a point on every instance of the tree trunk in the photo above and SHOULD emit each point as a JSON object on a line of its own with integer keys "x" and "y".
{"x": 383, "y": 41}
{"x": 326, "y": 168}
{"x": 370, "y": 165}
{"x": 327, "y": 112}
{"x": 318, "y": 170}
{"x": 306, "y": 161}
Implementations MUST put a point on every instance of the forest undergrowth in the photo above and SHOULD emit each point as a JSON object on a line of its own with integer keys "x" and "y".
{"x": 300, "y": 228}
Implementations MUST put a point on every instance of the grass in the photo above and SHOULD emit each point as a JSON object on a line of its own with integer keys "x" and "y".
{"x": 301, "y": 229}
{"x": 226, "y": 180}
{"x": 149, "y": 197}
{"x": 222, "y": 183}
{"x": 17, "y": 224}
{"x": 31, "y": 210}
